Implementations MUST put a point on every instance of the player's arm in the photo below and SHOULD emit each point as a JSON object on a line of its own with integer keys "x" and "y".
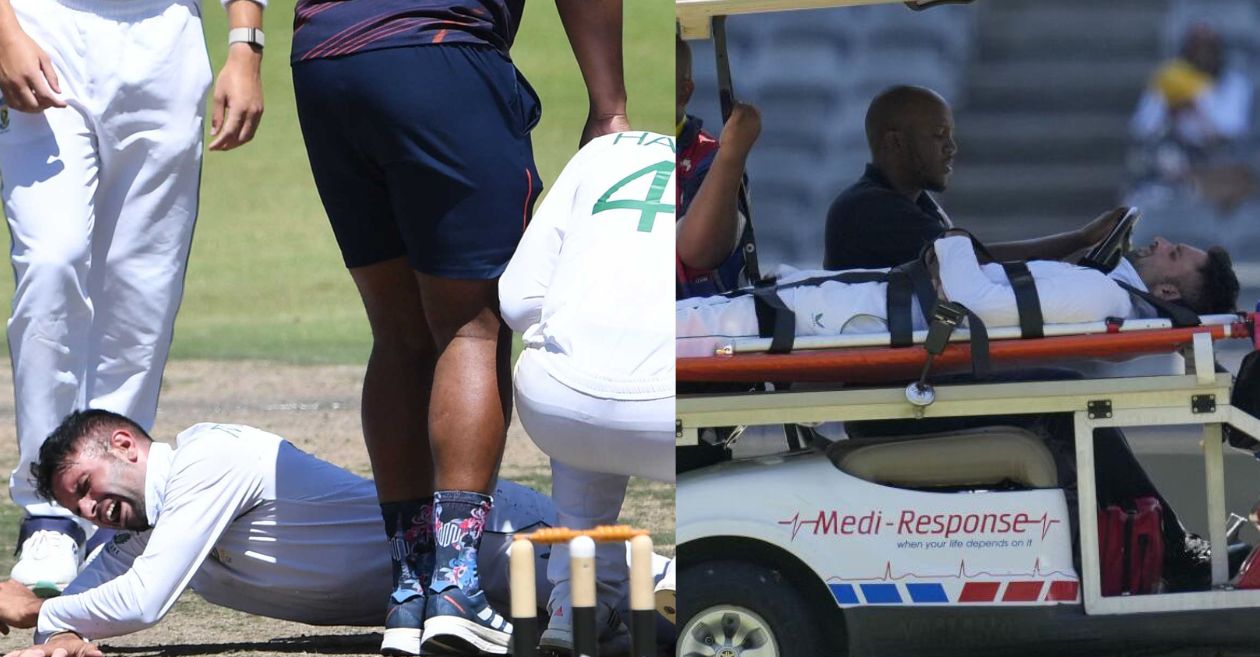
{"x": 27, "y": 79}
{"x": 19, "y": 607}
{"x": 1061, "y": 245}
{"x": 594, "y": 30}
{"x": 238, "y": 94}
{"x": 207, "y": 489}
{"x": 1075, "y": 294}
{"x": 710, "y": 230}
{"x": 962, "y": 280}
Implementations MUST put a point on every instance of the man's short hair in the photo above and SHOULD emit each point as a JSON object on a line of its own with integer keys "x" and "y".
{"x": 893, "y": 107}
{"x": 74, "y": 431}
{"x": 1217, "y": 289}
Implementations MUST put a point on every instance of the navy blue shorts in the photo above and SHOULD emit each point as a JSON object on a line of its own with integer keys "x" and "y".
{"x": 424, "y": 152}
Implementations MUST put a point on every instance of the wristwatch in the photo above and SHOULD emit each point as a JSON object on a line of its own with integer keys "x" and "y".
{"x": 251, "y": 35}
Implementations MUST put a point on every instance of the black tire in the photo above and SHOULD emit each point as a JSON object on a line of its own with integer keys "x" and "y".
{"x": 734, "y": 608}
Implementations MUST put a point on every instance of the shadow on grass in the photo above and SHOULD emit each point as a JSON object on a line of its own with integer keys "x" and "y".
{"x": 323, "y": 644}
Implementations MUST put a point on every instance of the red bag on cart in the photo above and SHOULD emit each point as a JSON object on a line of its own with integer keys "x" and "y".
{"x": 1131, "y": 547}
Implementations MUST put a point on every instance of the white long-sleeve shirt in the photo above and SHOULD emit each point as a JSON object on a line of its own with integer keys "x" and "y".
{"x": 252, "y": 523}
{"x": 1067, "y": 293}
{"x": 590, "y": 283}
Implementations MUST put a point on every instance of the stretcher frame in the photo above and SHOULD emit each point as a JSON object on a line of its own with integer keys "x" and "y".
{"x": 1199, "y": 396}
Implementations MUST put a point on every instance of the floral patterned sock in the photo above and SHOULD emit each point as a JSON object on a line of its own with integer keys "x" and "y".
{"x": 458, "y": 520}
{"x": 409, "y": 529}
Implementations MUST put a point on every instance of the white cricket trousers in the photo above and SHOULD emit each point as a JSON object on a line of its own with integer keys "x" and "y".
{"x": 595, "y": 446}
{"x": 101, "y": 197}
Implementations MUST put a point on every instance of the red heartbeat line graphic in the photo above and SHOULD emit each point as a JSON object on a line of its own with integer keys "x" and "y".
{"x": 962, "y": 573}
{"x": 1046, "y": 523}
{"x": 795, "y": 521}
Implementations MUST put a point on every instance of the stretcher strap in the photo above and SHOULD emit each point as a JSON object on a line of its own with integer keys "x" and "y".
{"x": 899, "y": 308}
{"x": 774, "y": 320}
{"x": 1031, "y": 324}
{"x": 1181, "y": 316}
{"x": 979, "y": 344}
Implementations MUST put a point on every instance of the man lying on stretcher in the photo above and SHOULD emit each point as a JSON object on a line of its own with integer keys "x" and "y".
{"x": 1146, "y": 283}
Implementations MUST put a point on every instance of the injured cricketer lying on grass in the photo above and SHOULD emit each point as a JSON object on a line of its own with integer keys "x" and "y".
{"x": 241, "y": 516}
{"x": 1157, "y": 280}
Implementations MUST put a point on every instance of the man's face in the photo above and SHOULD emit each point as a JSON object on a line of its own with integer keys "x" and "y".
{"x": 104, "y": 486}
{"x": 1168, "y": 268}
{"x": 928, "y": 145}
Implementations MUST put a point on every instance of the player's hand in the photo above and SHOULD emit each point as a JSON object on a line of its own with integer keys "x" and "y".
{"x": 65, "y": 644}
{"x": 741, "y": 129}
{"x": 27, "y": 78}
{"x": 600, "y": 125}
{"x": 238, "y": 98}
{"x": 1098, "y": 229}
{"x": 18, "y": 606}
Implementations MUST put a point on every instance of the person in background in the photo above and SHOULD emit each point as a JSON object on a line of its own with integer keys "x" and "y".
{"x": 1190, "y": 120}
{"x": 712, "y": 234}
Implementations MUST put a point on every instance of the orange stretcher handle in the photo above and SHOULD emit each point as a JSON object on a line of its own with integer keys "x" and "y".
{"x": 886, "y": 364}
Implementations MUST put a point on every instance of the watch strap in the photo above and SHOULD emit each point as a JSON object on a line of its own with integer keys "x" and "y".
{"x": 251, "y": 35}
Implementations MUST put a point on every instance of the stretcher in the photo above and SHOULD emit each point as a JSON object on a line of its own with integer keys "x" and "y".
{"x": 1197, "y": 395}
{"x": 867, "y": 358}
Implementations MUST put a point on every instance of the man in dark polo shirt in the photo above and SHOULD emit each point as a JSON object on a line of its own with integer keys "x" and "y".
{"x": 887, "y": 216}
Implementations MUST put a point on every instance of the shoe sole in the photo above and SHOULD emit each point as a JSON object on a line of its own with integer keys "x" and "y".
{"x": 452, "y": 634}
{"x": 401, "y": 642}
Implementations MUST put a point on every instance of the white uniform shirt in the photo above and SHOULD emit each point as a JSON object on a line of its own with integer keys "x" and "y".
{"x": 1068, "y": 294}
{"x": 254, "y": 524}
{"x": 590, "y": 283}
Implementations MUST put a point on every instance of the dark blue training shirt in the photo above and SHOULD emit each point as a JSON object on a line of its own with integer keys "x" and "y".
{"x": 333, "y": 28}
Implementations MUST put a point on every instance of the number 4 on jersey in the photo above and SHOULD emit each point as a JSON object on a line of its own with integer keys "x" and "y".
{"x": 648, "y": 207}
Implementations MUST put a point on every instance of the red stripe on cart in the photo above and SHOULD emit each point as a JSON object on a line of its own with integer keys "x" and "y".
{"x": 1022, "y": 591}
{"x": 1064, "y": 590}
{"x": 979, "y": 592}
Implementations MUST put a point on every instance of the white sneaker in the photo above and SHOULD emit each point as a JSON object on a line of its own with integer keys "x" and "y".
{"x": 49, "y": 562}
{"x": 557, "y": 639}
{"x": 667, "y": 595}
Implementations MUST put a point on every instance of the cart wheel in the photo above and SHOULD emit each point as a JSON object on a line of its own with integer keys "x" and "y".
{"x": 737, "y": 609}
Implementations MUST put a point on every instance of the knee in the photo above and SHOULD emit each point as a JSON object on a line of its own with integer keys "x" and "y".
{"x": 50, "y": 276}
{"x": 482, "y": 326}
{"x": 408, "y": 341}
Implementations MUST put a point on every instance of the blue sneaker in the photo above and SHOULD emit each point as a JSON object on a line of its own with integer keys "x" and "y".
{"x": 404, "y": 623}
{"x": 462, "y": 624}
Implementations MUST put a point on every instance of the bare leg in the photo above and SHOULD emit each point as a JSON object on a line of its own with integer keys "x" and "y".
{"x": 471, "y": 401}
{"x": 398, "y": 382}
